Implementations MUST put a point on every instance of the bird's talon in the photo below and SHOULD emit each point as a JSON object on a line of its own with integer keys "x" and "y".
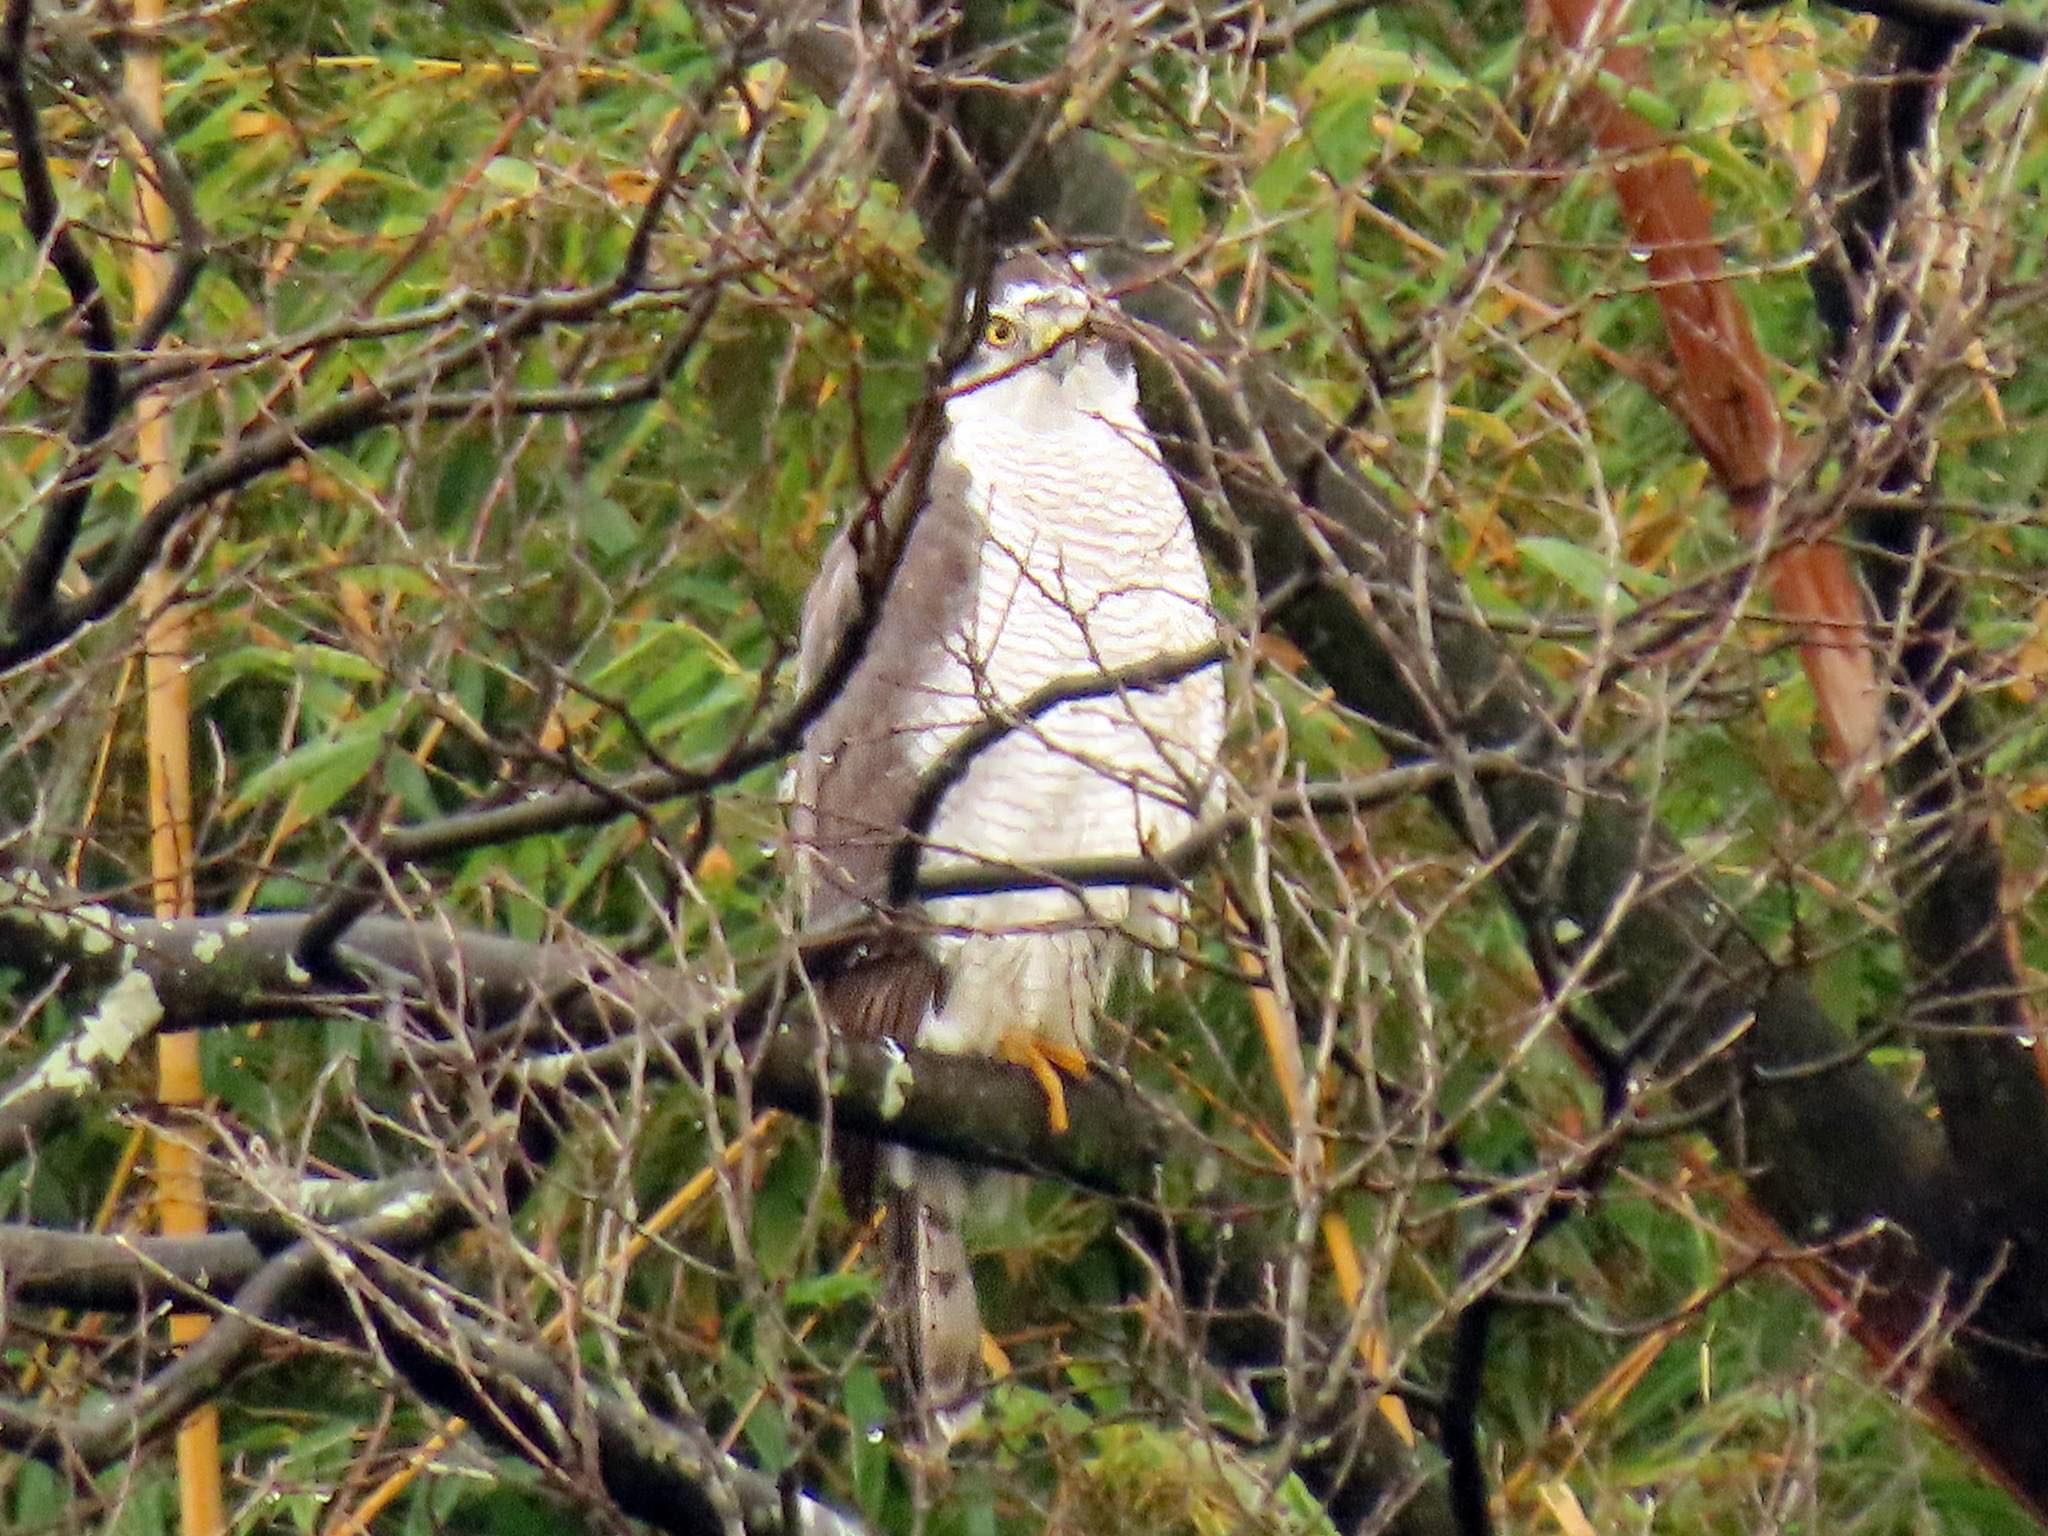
{"x": 1045, "y": 1060}
{"x": 1067, "y": 1058}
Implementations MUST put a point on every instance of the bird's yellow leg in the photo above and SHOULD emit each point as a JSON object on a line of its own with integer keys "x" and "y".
{"x": 1045, "y": 1060}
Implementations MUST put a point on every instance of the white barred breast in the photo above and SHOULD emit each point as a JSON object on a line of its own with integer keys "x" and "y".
{"x": 1090, "y": 566}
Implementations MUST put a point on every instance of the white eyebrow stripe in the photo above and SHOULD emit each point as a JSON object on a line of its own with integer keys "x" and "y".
{"x": 1023, "y": 294}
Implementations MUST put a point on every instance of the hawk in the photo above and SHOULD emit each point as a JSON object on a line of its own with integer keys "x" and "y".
{"x": 1050, "y": 545}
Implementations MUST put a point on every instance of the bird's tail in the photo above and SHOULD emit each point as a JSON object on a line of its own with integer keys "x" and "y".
{"x": 933, "y": 1317}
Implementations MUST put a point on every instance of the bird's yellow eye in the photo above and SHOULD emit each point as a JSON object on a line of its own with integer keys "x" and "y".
{"x": 1001, "y": 331}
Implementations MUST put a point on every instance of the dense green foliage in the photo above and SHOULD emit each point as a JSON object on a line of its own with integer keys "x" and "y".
{"x": 486, "y": 595}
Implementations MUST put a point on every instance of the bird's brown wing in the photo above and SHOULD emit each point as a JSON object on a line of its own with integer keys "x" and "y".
{"x": 857, "y": 775}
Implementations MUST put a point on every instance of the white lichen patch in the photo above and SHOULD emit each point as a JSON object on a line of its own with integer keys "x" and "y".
{"x": 414, "y": 1205}
{"x": 90, "y": 927}
{"x": 296, "y": 973}
{"x": 341, "y": 1200}
{"x": 24, "y": 888}
{"x": 96, "y": 928}
{"x": 128, "y": 1011}
{"x": 548, "y": 1071}
{"x": 240, "y": 928}
{"x": 896, "y": 1082}
{"x": 207, "y": 947}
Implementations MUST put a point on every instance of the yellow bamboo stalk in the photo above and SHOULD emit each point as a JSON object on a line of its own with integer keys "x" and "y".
{"x": 1283, "y": 1050}
{"x": 167, "y": 735}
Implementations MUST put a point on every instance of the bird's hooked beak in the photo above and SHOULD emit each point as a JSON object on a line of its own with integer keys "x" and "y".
{"x": 1057, "y": 334}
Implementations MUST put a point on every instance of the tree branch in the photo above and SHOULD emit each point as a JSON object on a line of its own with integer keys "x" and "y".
{"x": 111, "y": 1429}
{"x": 118, "y": 1273}
{"x": 148, "y": 975}
{"x": 216, "y": 970}
{"x": 954, "y": 763}
{"x": 1969, "y": 1007}
{"x": 665, "y": 1472}
{"x": 1976, "y": 24}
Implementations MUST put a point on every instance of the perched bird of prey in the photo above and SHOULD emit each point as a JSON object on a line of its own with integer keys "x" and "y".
{"x": 1050, "y": 546}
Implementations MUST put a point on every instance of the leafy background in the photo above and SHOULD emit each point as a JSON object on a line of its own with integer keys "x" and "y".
{"x": 435, "y": 613}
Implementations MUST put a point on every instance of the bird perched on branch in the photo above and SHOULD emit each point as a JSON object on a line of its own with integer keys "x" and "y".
{"x": 997, "y": 717}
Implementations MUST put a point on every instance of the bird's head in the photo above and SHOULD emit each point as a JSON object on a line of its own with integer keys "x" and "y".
{"x": 1049, "y": 342}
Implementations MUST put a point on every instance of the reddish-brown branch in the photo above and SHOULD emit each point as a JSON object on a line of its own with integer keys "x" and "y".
{"x": 1724, "y": 392}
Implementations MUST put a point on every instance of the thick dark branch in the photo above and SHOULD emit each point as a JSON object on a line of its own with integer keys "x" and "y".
{"x": 1975, "y": 23}
{"x": 663, "y": 1471}
{"x": 119, "y": 1273}
{"x": 112, "y": 1429}
{"x": 1969, "y": 1006}
{"x": 124, "y": 1272}
{"x": 147, "y": 974}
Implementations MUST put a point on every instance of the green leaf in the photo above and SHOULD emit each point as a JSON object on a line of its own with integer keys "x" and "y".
{"x": 1357, "y": 65}
{"x": 39, "y": 1495}
{"x": 323, "y": 771}
{"x": 769, "y": 1437}
{"x": 601, "y": 856}
{"x": 334, "y": 662}
{"x": 830, "y": 1290}
{"x": 1284, "y": 176}
{"x": 608, "y": 525}
{"x": 1646, "y": 104}
{"x": 404, "y": 580}
{"x": 1588, "y": 573}
{"x": 516, "y": 176}
{"x": 867, "y": 1415}
{"x": 1344, "y": 136}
